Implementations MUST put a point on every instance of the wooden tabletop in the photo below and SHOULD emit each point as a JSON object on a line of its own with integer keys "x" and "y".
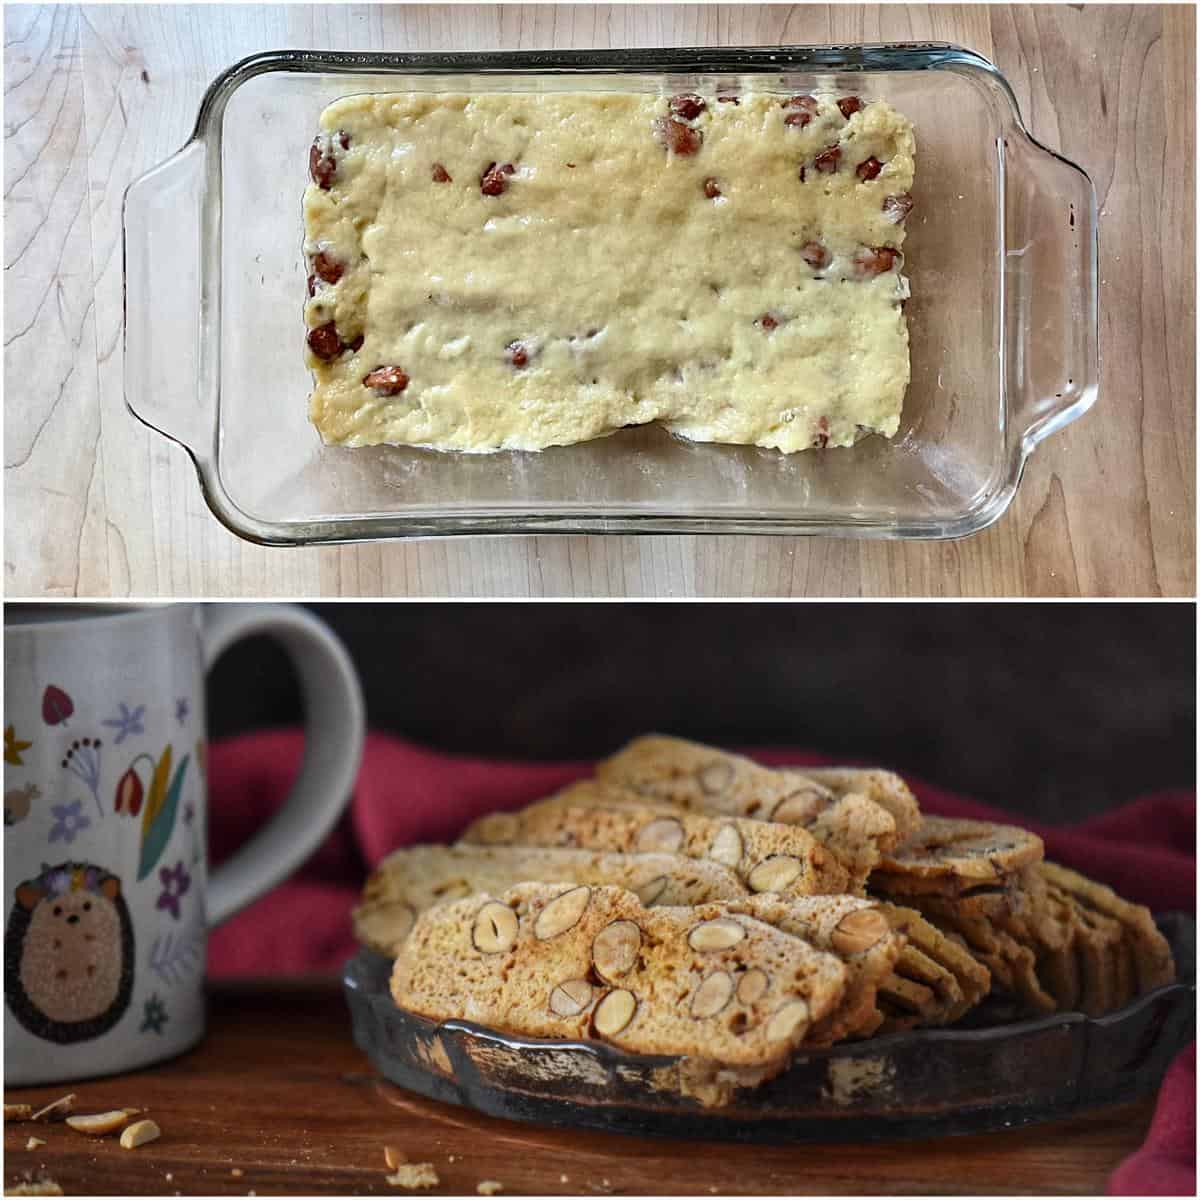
{"x": 278, "y": 1092}
{"x": 99, "y": 506}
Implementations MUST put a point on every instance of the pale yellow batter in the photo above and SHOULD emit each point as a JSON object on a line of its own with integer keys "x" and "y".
{"x": 632, "y": 266}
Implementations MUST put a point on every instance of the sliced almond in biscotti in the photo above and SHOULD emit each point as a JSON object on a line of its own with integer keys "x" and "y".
{"x": 495, "y": 928}
{"x": 596, "y": 816}
{"x": 856, "y": 930}
{"x": 571, "y": 997}
{"x": 652, "y": 980}
{"x": 415, "y": 878}
{"x": 615, "y": 950}
{"x": 853, "y": 826}
{"x": 561, "y": 914}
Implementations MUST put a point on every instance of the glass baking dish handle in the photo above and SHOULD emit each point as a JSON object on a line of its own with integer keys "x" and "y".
{"x": 1050, "y": 290}
{"x": 164, "y": 300}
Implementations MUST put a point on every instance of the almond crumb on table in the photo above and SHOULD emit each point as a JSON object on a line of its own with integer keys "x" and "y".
{"x": 489, "y": 1187}
{"x": 414, "y": 1175}
{"x": 34, "y": 1143}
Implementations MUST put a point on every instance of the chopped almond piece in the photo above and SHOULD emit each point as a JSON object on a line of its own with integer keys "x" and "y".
{"x": 138, "y": 1134}
{"x": 56, "y": 1110}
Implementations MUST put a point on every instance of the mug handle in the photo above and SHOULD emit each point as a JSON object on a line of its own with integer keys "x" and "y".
{"x": 334, "y": 728}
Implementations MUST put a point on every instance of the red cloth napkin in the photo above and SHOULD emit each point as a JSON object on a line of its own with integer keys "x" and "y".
{"x": 406, "y": 794}
{"x": 1166, "y": 1163}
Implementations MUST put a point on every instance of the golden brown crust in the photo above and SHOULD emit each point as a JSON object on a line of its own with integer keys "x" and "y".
{"x": 852, "y": 826}
{"x": 415, "y": 878}
{"x": 677, "y": 993}
{"x": 597, "y": 816}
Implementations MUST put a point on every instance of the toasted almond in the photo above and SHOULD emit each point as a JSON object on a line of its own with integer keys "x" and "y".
{"x": 236, "y": 1172}
{"x": 138, "y": 1134}
{"x": 489, "y": 1187}
{"x": 663, "y": 835}
{"x": 34, "y": 1143}
{"x": 614, "y": 1012}
{"x": 716, "y": 935}
{"x": 787, "y": 1020}
{"x": 615, "y": 949}
{"x": 569, "y": 999}
{"x": 859, "y": 930}
{"x": 715, "y": 777}
{"x": 650, "y": 891}
{"x": 712, "y": 995}
{"x": 394, "y": 1157}
{"x": 775, "y": 873}
{"x": 495, "y": 928}
{"x": 414, "y": 1175}
{"x": 562, "y": 913}
{"x": 752, "y": 985}
{"x": 23, "y": 1112}
{"x": 99, "y": 1124}
{"x": 726, "y": 847}
{"x": 803, "y": 806}
{"x": 56, "y": 1110}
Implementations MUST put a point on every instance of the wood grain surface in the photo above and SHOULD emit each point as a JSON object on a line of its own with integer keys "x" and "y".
{"x": 278, "y": 1092}
{"x": 99, "y": 506}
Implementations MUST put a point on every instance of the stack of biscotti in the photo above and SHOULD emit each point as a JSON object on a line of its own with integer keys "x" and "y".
{"x": 687, "y": 900}
{"x": 1051, "y": 939}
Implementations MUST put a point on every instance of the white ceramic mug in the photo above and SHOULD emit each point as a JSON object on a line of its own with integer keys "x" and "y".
{"x": 107, "y": 899}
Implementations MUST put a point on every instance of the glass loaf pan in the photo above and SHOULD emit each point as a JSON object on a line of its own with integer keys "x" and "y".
{"x": 1001, "y": 254}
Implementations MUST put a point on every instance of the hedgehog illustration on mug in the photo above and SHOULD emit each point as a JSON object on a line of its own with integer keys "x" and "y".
{"x": 69, "y": 953}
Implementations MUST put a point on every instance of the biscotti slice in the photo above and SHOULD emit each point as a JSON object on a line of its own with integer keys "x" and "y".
{"x": 572, "y": 961}
{"x": 767, "y": 857}
{"x": 955, "y": 979}
{"x": 1151, "y": 952}
{"x": 855, "y": 930}
{"x": 1012, "y": 964}
{"x": 1052, "y": 949}
{"x": 902, "y": 971}
{"x": 853, "y": 826}
{"x": 956, "y": 858}
{"x": 885, "y": 788}
{"x": 415, "y": 878}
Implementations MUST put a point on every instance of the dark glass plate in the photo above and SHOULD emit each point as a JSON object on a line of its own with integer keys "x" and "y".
{"x": 924, "y": 1083}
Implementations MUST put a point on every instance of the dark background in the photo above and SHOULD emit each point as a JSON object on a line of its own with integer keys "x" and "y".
{"x": 1055, "y": 711}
